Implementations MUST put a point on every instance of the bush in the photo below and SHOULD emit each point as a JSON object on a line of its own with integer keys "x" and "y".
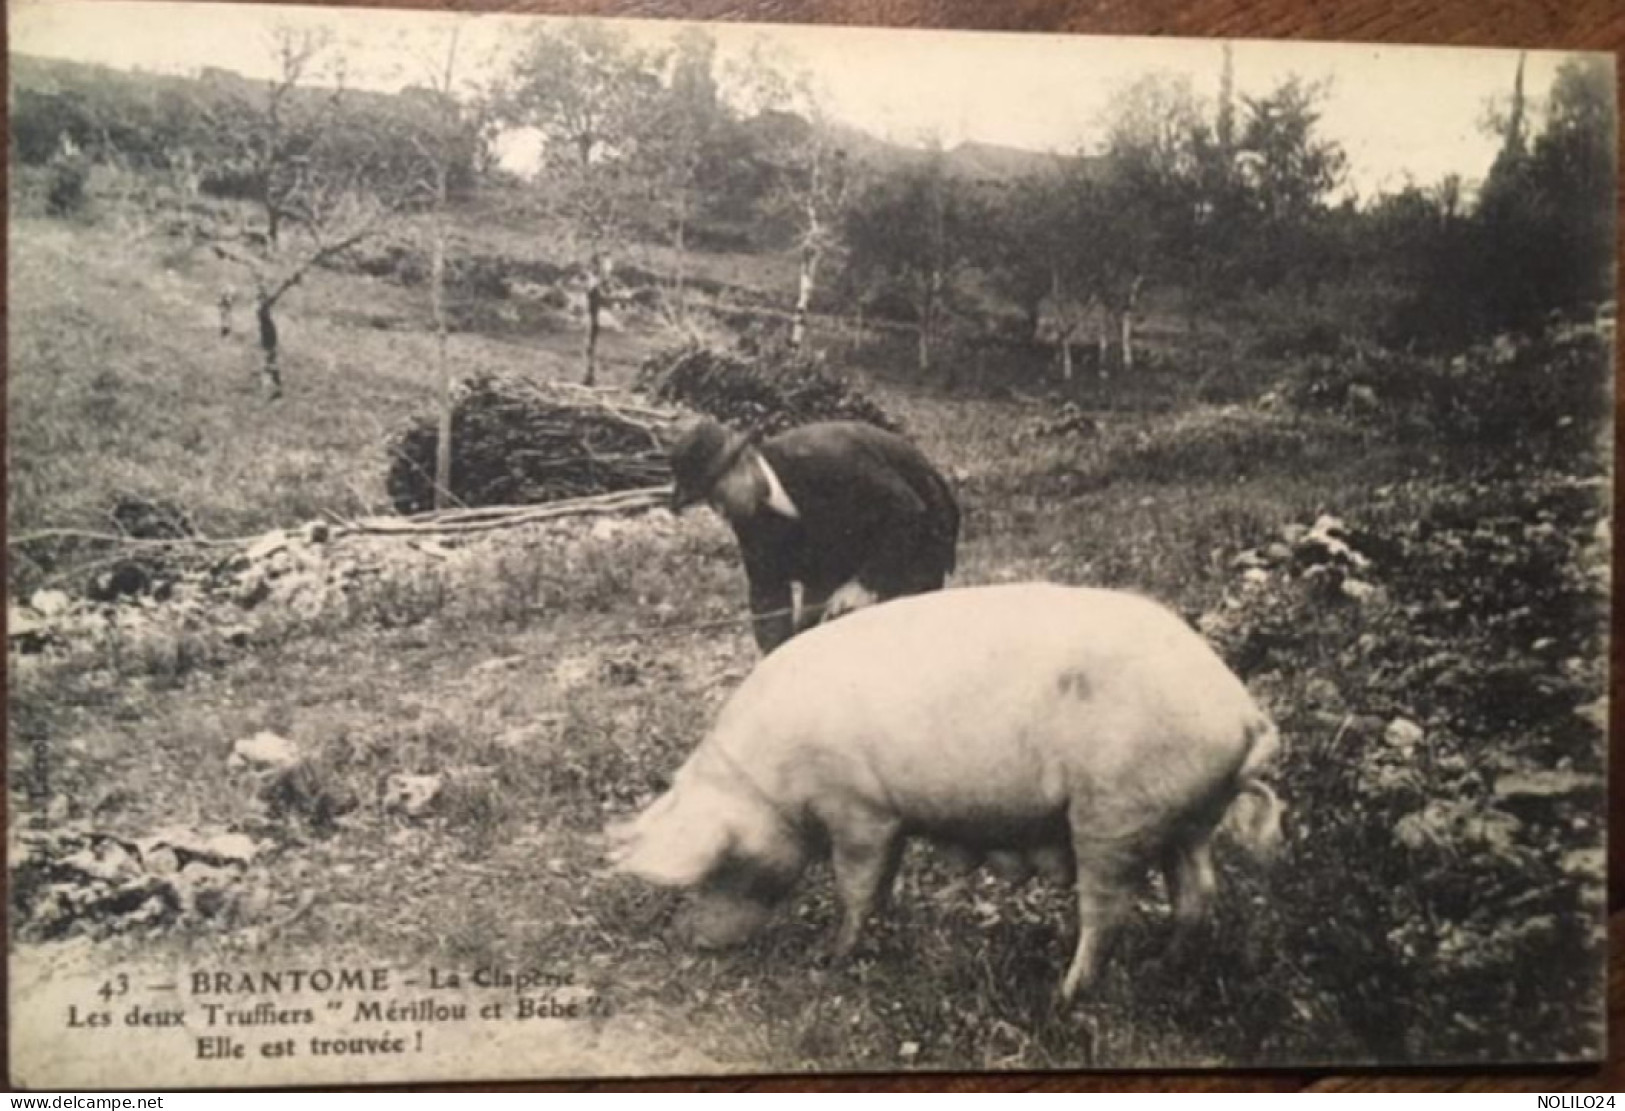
{"x": 1226, "y": 443}
{"x": 1443, "y": 885}
{"x": 67, "y": 195}
{"x": 1547, "y": 395}
{"x": 762, "y": 394}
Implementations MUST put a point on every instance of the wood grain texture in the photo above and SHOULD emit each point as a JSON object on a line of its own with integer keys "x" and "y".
{"x": 1554, "y": 24}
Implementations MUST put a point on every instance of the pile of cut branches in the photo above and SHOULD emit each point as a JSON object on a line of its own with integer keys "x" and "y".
{"x": 519, "y": 442}
{"x": 757, "y": 394}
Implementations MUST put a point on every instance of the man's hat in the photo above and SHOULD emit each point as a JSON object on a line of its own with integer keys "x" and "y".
{"x": 699, "y": 457}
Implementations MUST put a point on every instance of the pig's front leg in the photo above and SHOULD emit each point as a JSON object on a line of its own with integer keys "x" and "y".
{"x": 865, "y": 853}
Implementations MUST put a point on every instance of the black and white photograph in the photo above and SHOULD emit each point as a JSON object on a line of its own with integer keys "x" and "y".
{"x": 548, "y": 547}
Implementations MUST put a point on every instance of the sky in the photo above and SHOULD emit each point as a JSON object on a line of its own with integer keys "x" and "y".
{"x": 1402, "y": 114}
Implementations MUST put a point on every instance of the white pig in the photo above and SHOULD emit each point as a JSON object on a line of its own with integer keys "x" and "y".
{"x": 1037, "y": 721}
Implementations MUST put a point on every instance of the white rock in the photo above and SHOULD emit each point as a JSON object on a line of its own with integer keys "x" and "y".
{"x": 161, "y": 860}
{"x": 267, "y": 546}
{"x": 1327, "y": 525}
{"x": 1359, "y": 591}
{"x": 50, "y": 603}
{"x": 265, "y": 751}
{"x": 20, "y": 623}
{"x": 606, "y": 528}
{"x": 1595, "y": 712}
{"x": 1539, "y": 783}
{"x": 108, "y": 862}
{"x": 233, "y": 846}
{"x": 1403, "y": 733}
{"x": 411, "y": 795}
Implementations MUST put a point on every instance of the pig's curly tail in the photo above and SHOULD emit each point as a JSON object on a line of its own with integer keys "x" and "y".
{"x": 1254, "y": 817}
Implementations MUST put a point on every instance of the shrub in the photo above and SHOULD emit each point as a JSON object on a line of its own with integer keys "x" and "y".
{"x": 1225, "y": 443}
{"x": 67, "y": 195}
{"x": 1547, "y": 395}
{"x": 1443, "y": 884}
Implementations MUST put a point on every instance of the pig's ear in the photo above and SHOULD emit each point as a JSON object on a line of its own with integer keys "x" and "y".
{"x": 675, "y": 856}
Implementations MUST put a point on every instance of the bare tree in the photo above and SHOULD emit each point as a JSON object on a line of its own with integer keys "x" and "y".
{"x": 317, "y": 197}
{"x": 1045, "y": 251}
{"x": 916, "y": 231}
{"x": 678, "y": 151}
{"x": 1148, "y": 194}
{"x": 591, "y": 95}
{"x": 444, "y": 137}
{"x": 808, "y": 177}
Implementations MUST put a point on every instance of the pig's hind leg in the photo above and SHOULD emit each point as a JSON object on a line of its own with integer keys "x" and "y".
{"x": 1100, "y": 906}
{"x": 1104, "y": 864}
{"x": 864, "y": 853}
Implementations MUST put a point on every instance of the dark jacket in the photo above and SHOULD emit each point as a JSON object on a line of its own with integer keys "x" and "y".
{"x": 871, "y": 508}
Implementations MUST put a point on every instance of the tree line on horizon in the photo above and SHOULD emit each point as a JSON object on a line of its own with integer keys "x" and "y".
{"x": 1229, "y": 208}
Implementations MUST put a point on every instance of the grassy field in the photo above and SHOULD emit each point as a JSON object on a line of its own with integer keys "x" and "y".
{"x": 1423, "y": 910}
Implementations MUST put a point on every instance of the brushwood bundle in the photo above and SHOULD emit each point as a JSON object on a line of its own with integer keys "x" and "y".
{"x": 760, "y": 395}
{"x": 520, "y": 442}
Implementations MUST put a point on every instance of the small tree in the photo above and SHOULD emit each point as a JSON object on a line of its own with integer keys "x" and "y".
{"x": 916, "y": 231}
{"x": 445, "y": 133}
{"x": 1147, "y": 199}
{"x": 1545, "y": 220}
{"x": 592, "y": 96}
{"x": 315, "y": 181}
{"x": 1574, "y": 168}
{"x": 1220, "y": 222}
{"x": 679, "y": 149}
{"x": 1047, "y": 251}
{"x": 1289, "y": 171}
{"x": 805, "y": 175}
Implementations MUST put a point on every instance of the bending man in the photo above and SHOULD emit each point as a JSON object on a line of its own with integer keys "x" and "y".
{"x": 853, "y": 513}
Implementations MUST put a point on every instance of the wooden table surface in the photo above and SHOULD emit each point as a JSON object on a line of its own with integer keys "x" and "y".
{"x": 1564, "y": 24}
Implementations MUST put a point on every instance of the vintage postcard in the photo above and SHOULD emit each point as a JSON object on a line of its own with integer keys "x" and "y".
{"x": 547, "y": 547}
